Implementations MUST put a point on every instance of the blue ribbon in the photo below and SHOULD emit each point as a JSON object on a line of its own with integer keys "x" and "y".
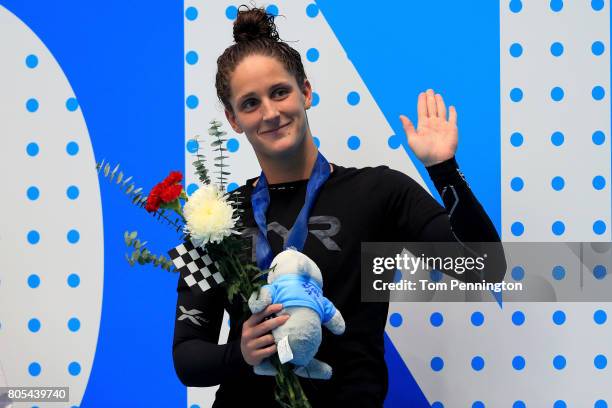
{"x": 260, "y": 200}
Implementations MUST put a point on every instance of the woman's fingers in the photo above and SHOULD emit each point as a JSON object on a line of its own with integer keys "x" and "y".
{"x": 408, "y": 127}
{"x": 264, "y": 353}
{"x": 262, "y": 341}
{"x": 432, "y": 111}
{"x": 441, "y": 107}
{"x": 452, "y": 116}
{"x": 268, "y": 325}
{"x": 422, "y": 107}
{"x": 255, "y": 319}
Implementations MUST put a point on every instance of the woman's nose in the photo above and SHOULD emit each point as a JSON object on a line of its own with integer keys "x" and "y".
{"x": 269, "y": 110}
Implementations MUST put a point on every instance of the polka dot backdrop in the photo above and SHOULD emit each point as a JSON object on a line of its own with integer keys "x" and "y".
{"x": 51, "y": 268}
{"x": 518, "y": 344}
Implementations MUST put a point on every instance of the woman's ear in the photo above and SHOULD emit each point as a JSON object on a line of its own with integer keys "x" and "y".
{"x": 307, "y": 92}
{"x": 231, "y": 118}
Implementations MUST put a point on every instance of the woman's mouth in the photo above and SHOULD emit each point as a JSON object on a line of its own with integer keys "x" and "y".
{"x": 276, "y": 129}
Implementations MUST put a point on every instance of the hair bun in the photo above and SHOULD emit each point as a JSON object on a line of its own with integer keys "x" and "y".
{"x": 253, "y": 24}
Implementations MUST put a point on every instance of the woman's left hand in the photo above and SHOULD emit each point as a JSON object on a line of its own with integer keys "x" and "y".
{"x": 435, "y": 139}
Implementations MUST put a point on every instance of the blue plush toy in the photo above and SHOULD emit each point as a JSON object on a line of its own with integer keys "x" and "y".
{"x": 295, "y": 281}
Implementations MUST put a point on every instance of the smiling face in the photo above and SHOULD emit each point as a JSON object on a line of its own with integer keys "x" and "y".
{"x": 269, "y": 106}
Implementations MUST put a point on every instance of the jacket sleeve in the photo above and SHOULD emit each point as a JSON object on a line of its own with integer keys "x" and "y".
{"x": 198, "y": 360}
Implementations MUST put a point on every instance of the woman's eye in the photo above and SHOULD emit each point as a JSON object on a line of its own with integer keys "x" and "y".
{"x": 249, "y": 104}
{"x": 280, "y": 92}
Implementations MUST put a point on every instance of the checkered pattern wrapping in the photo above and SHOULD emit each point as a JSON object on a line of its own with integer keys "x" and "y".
{"x": 195, "y": 266}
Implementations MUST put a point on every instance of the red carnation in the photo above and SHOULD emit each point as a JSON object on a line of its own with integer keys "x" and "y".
{"x": 165, "y": 192}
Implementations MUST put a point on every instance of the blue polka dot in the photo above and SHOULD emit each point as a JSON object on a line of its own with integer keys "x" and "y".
{"x": 191, "y": 13}
{"x": 31, "y": 61}
{"x": 34, "y": 325}
{"x": 34, "y": 369}
{"x": 436, "y": 319}
{"x": 72, "y": 192}
{"x": 397, "y": 276}
{"x": 192, "y": 101}
{"x": 192, "y": 188}
{"x": 315, "y": 99}
{"x": 516, "y": 6}
{"x": 33, "y": 281}
{"x": 600, "y": 361}
{"x": 394, "y": 142}
{"x": 598, "y": 93}
{"x": 435, "y": 275}
{"x": 558, "y": 317}
{"x": 478, "y": 363}
{"x": 478, "y": 404}
{"x": 517, "y": 184}
{"x": 598, "y": 48}
{"x": 74, "y": 324}
{"x": 437, "y": 364}
{"x": 559, "y": 404}
{"x": 516, "y": 50}
{"x": 32, "y": 149}
{"x": 231, "y": 12}
{"x": 312, "y": 10}
{"x": 312, "y": 55}
{"x": 597, "y": 5}
{"x": 557, "y": 138}
{"x": 518, "y": 318}
{"x": 74, "y": 368}
{"x": 233, "y": 145}
{"x": 559, "y": 362}
{"x": 557, "y": 183}
{"x": 517, "y": 229}
{"x": 192, "y": 146}
{"x": 516, "y": 95}
{"x": 598, "y": 137}
{"x": 353, "y": 98}
{"x": 33, "y": 193}
{"x": 518, "y": 273}
{"x": 600, "y": 404}
{"x": 191, "y": 57}
{"x": 231, "y": 187}
{"x": 599, "y": 182}
{"x": 558, "y": 272}
{"x": 599, "y": 227}
{"x": 353, "y": 142}
{"x": 73, "y": 236}
{"x": 558, "y": 228}
{"x": 194, "y": 406}
{"x": 33, "y": 237}
{"x": 316, "y": 141}
{"x": 556, "y": 5}
{"x": 556, "y": 49}
{"x": 519, "y": 404}
{"x": 516, "y": 139}
{"x": 599, "y": 272}
{"x": 272, "y": 10}
{"x": 437, "y": 404}
{"x": 72, "y": 148}
{"x": 557, "y": 93}
{"x": 72, "y": 104}
{"x": 396, "y": 320}
{"x": 477, "y": 318}
{"x": 600, "y": 316}
{"x": 518, "y": 363}
{"x": 32, "y": 105}
{"x": 73, "y": 280}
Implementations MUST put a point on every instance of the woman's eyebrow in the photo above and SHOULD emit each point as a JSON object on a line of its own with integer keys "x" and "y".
{"x": 272, "y": 87}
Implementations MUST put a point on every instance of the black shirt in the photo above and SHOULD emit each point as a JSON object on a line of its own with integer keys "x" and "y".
{"x": 354, "y": 206}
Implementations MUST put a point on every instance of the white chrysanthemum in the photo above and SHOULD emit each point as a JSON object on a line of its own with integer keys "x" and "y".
{"x": 208, "y": 216}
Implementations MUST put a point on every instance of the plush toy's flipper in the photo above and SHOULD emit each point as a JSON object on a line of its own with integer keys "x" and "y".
{"x": 265, "y": 368}
{"x": 259, "y": 301}
{"x": 336, "y": 324}
{"x": 315, "y": 369}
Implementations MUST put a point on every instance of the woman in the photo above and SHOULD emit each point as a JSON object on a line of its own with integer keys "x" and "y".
{"x": 265, "y": 92}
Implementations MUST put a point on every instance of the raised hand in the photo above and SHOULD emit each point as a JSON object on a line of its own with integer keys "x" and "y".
{"x": 435, "y": 139}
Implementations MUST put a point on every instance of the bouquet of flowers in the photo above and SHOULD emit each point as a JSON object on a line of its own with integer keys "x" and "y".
{"x": 209, "y": 221}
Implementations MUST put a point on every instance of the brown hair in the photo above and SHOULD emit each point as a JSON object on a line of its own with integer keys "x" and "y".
{"x": 255, "y": 33}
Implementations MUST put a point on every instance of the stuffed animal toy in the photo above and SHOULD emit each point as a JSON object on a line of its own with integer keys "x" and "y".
{"x": 295, "y": 281}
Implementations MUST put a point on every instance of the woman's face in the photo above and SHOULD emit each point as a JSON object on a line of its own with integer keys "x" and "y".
{"x": 269, "y": 106}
